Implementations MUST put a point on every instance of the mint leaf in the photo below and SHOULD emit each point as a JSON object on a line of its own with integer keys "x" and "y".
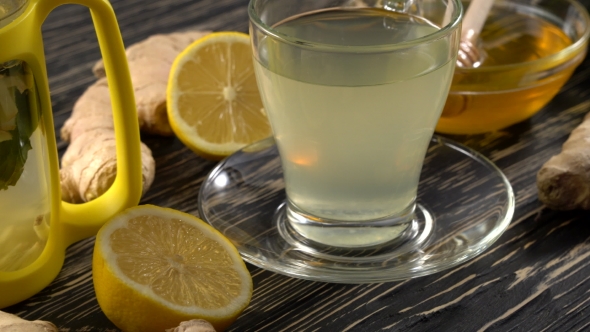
{"x": 12, "y": 162}
{"x": 14, "y": 151}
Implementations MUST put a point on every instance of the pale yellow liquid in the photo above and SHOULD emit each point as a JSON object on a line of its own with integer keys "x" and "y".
{"x": 25, "y": 211}
{"x": 24, "y": 205}
{"x": 352, "y": 129}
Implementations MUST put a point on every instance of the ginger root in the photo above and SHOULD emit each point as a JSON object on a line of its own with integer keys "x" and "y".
{"x": 12, "y": 323}
{"x": 193, "y": 325}
{"x": 150, "y": 62}
{"x": 564, "y": 181}
{"x": 89, "y": 164}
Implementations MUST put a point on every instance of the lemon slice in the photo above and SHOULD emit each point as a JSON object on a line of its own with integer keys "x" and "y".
{"x": 155, "y": 267}
{"x": 213, "y": 102}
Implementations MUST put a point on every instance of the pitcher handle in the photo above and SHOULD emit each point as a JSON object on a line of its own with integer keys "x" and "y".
{"x": 80, "y": 221}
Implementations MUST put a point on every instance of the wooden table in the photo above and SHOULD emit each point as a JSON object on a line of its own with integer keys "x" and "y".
{"x": 536, "y": 277}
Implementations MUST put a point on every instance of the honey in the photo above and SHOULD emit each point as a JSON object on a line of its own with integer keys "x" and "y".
{"x": 520, "y": 73}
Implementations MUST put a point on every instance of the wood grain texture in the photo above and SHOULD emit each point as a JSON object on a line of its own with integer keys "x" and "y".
{"x": 535, "y": 278}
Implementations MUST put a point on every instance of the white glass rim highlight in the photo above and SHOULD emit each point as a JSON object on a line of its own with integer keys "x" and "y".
{"x": 454, "y": 23}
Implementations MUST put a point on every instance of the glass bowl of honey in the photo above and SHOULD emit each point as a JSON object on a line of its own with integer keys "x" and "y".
{"x": 529, "y": 48}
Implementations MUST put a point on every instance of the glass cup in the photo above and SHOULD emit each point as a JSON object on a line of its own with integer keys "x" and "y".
{"x": 353, "y": 91}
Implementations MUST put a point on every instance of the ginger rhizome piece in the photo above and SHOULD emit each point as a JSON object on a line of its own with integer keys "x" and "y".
{"x": 150, "y": 62}
{"x": 10, "y": 323}
{"x": 564, "y": 181}
{"x": 193, "y": 325}
{"x": 89, "y": 164}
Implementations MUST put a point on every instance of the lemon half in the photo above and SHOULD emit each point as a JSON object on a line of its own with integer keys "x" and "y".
{"x": 213, "y": 102}
{"x": 155, "y": 267}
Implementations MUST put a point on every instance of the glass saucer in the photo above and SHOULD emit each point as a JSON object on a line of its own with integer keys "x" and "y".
{"x": 464, "y": 205}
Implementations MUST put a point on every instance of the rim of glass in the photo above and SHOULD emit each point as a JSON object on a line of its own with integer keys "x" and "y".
{"x": 453, "y": 24}
{"x": 16, "y": 9}
{"x": 564, "y": 53}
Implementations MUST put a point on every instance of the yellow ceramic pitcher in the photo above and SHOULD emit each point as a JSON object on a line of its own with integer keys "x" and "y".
{"x": 35, "y": 225}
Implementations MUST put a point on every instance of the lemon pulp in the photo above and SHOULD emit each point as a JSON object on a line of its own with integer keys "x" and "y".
{"x": 214, "y": 105}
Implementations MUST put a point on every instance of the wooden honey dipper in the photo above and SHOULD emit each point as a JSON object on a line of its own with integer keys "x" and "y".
{"x": 470, "y": 54}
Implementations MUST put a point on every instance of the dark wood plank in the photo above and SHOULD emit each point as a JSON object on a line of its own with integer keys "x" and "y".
{"x": 535, "y": 278}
